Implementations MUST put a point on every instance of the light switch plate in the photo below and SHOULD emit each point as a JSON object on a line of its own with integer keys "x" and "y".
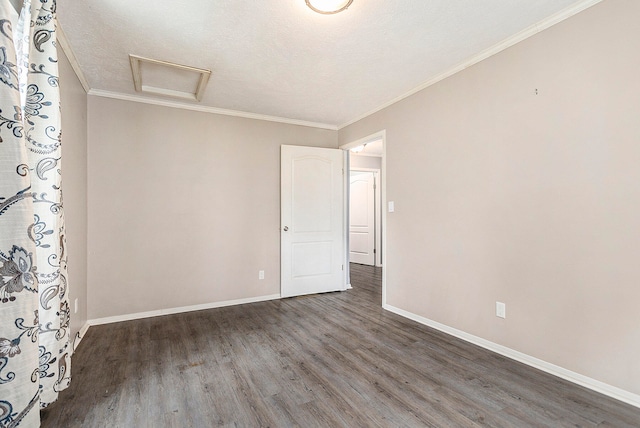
{"x": 501, "y": 310}
{"x": 392, "y": 207}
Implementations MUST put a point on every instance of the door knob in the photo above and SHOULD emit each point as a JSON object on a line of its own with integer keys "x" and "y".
{"x": 286, "y": 228}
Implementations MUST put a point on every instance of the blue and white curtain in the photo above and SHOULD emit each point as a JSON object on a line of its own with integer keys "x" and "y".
{"x": 35, "y": 345}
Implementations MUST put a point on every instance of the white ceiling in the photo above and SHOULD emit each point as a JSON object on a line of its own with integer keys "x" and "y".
{"x": 279, "y": 58}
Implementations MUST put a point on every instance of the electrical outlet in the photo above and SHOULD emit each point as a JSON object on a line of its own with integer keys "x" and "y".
{"x": 75, "y": 306}
{"x": 501, "y": 310}
{"x": 261, "y": 274}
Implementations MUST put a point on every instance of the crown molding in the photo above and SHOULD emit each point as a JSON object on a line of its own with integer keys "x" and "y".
{"x": 66, "y": 47}
{"x": 507, "y": 43}
{"x": 518, "y": 37}
{"x": 207, "y": 109}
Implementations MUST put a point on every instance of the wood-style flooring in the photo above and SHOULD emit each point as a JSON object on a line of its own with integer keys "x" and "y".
{"x": 331, "y": 360}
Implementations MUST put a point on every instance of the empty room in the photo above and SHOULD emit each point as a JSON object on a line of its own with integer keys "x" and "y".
{"x": 320, "y": 213}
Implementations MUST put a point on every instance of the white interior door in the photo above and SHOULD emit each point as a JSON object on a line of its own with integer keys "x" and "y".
{"x": 362, "y": 218}
{"x": 312, "y": 229}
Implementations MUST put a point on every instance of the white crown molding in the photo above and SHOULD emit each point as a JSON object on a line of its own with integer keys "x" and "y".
{"x": 587, "y": 382}
{"x": 207, "y": 109}
{"x": 181, "y": 309}
{"x": 507, "y": 43}
{"x": 66, "y": 47}
{"x": 522, "y": 35}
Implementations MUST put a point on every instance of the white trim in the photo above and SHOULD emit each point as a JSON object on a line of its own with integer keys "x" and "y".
{"x": 136, "y": 69}
{"x": 164, "y": 92}
{"x": 507, "y": 43}
{"x": 380, "y": 135}
{"x": 66, "y": 47}
{"x": 522, "y": 35}
{"x": 587, "y": 382}
{"x": 383, "y": 172}
{"x": 207, "y": 109}
{"x": 346, "y": 195}
{"x": 80, "y": 335}
{"x": 181, "y": 309}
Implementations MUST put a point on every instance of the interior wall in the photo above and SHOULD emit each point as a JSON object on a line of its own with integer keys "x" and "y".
{"x": 516, "y": 180}
{"x": 17, "y": 4}
{"x": 371, "y": 162}
{"x": 73, "y": 102}
{"x": 184, "y": 206}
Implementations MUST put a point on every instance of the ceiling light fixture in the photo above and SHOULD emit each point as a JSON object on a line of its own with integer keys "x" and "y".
{"x": 328, "y": 7}
{"x": 359, "y": 148}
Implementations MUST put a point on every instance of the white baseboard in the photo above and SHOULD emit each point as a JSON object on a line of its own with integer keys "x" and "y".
{"x": 79, "y": 335}
{"x": 169, "y": 311}
{"x": 587, "y": 382}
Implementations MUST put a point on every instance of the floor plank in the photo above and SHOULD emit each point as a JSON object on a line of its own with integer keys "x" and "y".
{"x": 329, "y": 360}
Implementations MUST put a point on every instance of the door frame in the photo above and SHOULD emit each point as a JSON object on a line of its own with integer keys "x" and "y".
{"x": 380, "y": 135}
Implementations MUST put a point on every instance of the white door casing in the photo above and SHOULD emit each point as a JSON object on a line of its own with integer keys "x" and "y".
{"x": 382, "y": 195}
{"x": 312, "y": 229}
{"x": 362, "y": 218}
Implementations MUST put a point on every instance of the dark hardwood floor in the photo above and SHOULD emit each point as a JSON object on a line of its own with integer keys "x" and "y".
{"x": 328, "y": 360}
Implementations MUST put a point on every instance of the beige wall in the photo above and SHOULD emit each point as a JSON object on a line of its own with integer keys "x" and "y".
{"x": 370, "y": 162}
{"x": 532, "y": 200}
{"x": 73, "y": 101}
{"x": 184, "y": 207}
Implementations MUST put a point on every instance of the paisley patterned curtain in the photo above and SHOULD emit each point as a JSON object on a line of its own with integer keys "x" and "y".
{"x": 34, "y": 310}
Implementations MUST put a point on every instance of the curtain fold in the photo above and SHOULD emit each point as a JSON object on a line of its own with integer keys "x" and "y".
{"x": 35, "y": 344}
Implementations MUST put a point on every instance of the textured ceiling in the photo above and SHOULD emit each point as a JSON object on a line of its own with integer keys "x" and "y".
{"x": 279, "y": 58}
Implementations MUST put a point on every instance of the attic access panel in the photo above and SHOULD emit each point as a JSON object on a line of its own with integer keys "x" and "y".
{"x": 168, "y": 79}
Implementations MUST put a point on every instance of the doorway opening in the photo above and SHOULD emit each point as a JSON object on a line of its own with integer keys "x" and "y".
{"x": 365, "y": 216}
